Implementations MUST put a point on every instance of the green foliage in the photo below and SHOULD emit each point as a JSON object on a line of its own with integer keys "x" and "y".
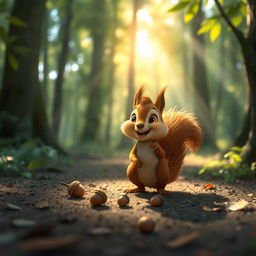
{"x": 26, "y": 158}
{"x": 236, "y": 11}
{"x": 16, "y": 21}
{"x": 230, "y": 167}
{"x": 10, "y": 41}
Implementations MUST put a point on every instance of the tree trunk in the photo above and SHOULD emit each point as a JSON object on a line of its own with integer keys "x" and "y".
{"x": 111, "y": 75}
{"x": 221, "y": 73}
{"x": 57, "y": 102}
{"x": 131, "y": 71}
{"x": 200, "y": 87}
{"x": 45, "y": 57}
{"x": 243, "y": 133}
{"x": 21, "y": 103}
{"x": 249, "y": 54}
{"x": 95, "y": 104}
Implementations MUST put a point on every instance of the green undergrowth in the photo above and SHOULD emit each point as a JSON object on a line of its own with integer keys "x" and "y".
{"x": 230, "y": 167}
{"x": 24, "y": 159}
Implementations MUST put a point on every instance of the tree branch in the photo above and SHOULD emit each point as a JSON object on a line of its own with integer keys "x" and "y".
{"x": 239, "y": 35}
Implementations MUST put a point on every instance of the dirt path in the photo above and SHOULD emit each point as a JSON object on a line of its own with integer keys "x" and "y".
{"x": 110, "y": 230}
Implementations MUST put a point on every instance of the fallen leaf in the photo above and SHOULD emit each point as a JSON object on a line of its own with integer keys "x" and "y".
{"x": 236, "y": 206}
{"x": 208, "y": 209}
{"x": 23, "y": 223}
{"x": 48, "y": 243}
{"x": 100, "y": 231}
{"x": 209, "y": 186}
{"x": 182, "y": 240}
{"x": 220, "y": 203}
{"x": 92, "y": 185}
{"x": 43, "y": 204}
{"x": 9, "y": 206}
{"x": 251, "y": 195}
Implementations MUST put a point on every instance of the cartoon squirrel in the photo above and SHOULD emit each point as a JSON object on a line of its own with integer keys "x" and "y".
{"x": 157, "y": 157}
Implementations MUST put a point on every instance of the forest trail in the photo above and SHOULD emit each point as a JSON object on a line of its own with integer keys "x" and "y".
{"x": 188, "y": 223}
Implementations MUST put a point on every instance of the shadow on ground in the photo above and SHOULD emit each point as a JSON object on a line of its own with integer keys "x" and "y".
{"x": 188, "y": 207}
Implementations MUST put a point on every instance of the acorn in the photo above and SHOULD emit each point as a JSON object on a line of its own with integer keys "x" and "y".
{"x": 156, "y": 200}
{"x": 146, "y": 224}
{"x": 98, "y": 198}
{"x": 123, "y": 200}
{"x": 75, "y": 188}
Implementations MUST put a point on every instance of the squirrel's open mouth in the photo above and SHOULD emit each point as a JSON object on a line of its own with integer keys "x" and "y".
{"x": 143, "y": 133}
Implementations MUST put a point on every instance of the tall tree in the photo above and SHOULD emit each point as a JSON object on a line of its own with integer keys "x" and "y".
{"x": 131, "y": 69}
{"x": 45, "y": 54}
{"x": 200, "y": 86}
{"x": 111, "y": 71}
{"x": 57, "y": 102}
{"x": 95, "y": 101}
{"x": 248, "y": 46}
{"x": 22, "y": 109}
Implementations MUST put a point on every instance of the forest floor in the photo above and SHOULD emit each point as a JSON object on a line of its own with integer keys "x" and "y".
{"x": 188, "y": 223}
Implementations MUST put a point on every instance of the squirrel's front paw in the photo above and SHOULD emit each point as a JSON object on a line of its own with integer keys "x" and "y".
{"x": 138, "y": 163}
{"x": 158, "y": 150}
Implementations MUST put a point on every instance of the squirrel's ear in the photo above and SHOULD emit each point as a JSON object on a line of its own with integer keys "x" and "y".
{"x": 160, "y": 102}
{"x": 138, "y": 96}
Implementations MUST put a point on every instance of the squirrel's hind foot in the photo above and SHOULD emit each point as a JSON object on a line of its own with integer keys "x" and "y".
{"x": 134, "y": 190}
{"x": 163, "y": 192}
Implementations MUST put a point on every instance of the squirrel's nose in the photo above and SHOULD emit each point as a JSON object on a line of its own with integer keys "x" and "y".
{"x": 140, "y": 125}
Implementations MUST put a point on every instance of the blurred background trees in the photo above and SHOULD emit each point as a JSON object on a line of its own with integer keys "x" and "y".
{"x": 73, "y": 66}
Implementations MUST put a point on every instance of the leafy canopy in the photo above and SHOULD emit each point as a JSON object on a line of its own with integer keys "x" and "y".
{"x": 235, "y": 10}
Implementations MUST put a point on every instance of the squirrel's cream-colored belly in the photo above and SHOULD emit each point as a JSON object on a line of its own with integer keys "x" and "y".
{"x": 147, "y": 174}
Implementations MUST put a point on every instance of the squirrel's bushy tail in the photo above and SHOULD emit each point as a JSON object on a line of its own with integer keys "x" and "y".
{"x": 184, "y": 134}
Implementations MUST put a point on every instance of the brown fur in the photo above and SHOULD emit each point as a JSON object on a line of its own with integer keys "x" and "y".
{"x": 184, "y": 134}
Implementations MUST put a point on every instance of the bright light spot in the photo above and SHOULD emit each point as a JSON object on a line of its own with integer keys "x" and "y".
{"x": 53, "y": 33}
{"x": 186, "y": 36}
{"x": 54, "y": 15}
{"x": 41, "y": 70}
{"x": 143, "y": 16}
{"x": 85, "y": 42}
{"x": 74, "y": 67}
{"x": 120, "y": 32}
{"x": 53, "y": 75}
{"x": 144, "y": 45}
{"x": 174, "y": 2}
{"x": 107, "y": 51}
{"x": 169, "y": 21}
{"x": 41, "y": 66}
{"x": 238, "y": 65}
{"x": 80, "y": 59}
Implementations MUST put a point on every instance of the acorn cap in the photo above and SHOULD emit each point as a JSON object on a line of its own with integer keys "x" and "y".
{"x": 98, "y": 198}
{"x": 72, "y": 185}
{"x": 103, "y": 194}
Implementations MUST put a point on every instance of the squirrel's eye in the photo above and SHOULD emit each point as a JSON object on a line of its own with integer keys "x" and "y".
{"x": 133, "y": 117}
{"x": 152, "y": 119}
